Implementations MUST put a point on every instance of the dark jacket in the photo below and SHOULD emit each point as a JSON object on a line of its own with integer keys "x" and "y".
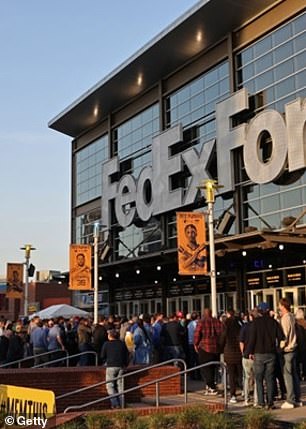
{"x": 265, "y": 335}
{"x": 230, "y": 341}
{"x": 115, "y": 354}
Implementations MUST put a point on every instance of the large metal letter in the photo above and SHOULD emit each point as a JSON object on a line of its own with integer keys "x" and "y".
{"x": 197, "y": 166}
{"x": 227, "y": 138}
{"x": 258, "y": 170}
{"x": 125, "y": 212}
{"x": 144, "y": 208}
{"x": 109, "y": 190}
{"x": 296, "y": 129}
{"x": 163, "y": 167}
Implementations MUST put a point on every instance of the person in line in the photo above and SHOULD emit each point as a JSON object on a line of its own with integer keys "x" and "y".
{"x": 289, "y": 347}
{"x": 85, "y": 342}
{"x": 192, "y": 355}
{"x": 116, "y": 357}
{"x": 247, "y": 364}
{"x": 172, "y": 337}
{"x": 55, "y": 344}
{"x": 206, "y": 343}
{"x": 301, "y": 340}
{"x": 232, "y": 353}
{"x": 39, "y": 343}
{"x": 265, "y": 335}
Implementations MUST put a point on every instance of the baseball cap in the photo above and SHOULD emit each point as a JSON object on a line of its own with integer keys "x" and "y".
{"x": 263, "y": 306}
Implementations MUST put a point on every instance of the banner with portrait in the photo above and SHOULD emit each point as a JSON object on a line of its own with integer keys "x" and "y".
{"x": 14, "y": 280}
{"x": 80, "y": 267}
{"x": 191, "y": 243}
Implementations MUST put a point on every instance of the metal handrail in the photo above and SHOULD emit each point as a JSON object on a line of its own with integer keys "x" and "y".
{"x": 41, "y": 365}
{"x": 157, "y": 381}
{"x": 127, "y": 374}
{"x": 32, "y": 357}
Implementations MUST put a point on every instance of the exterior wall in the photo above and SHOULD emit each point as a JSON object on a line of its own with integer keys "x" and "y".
{"x": 189, "y": 96}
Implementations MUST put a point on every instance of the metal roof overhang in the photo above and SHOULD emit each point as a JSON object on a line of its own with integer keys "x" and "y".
{"x": 168, "y": 51}
{"x": 265, "y": 239}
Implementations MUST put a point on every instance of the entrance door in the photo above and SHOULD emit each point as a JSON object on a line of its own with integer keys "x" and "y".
{"x": 172, "y": 305}
{"x": 292, "y": 296}
{"x": 268, "y": 297}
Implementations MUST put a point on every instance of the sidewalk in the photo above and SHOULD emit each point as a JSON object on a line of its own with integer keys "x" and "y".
{"x": 196, "y": 396}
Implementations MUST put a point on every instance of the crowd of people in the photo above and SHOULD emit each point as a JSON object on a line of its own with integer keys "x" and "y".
{"x": 264, "y": 351}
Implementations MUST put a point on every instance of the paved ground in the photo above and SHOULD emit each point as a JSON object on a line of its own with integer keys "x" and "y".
{"x": 196, "y": 395}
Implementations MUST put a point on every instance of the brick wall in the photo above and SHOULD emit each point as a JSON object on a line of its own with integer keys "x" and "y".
{"x": 63, "y": 380}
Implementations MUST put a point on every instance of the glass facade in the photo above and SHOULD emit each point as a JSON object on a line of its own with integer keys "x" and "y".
{"x": 89, "y": 170}
{"x": 194, "y": 105}
{"x": 274, "y": 71}
{"x": 132, "y": 142}
{"x": 85, "y": 226}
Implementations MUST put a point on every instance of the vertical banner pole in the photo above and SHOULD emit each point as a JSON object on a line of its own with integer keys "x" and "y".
{"x": 96, "y": 294}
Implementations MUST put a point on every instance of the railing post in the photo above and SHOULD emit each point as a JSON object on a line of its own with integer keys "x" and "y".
{"x": 122, "y": 397}
{"x": 225, "y": 385}
{"x": 185, "y": 386}
{"x": 157, "y": 394}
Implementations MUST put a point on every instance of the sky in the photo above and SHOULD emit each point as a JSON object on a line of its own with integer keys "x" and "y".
{"x": 52, "y": 52}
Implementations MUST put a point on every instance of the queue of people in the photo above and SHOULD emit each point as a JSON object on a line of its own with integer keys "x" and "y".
{"x": 264, "y": 351}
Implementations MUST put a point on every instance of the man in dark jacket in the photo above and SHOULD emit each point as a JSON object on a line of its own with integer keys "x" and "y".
{"x": 116, "y": 356}
{"x": 265, "y": 335}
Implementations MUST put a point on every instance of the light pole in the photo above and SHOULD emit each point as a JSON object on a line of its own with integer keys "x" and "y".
{"x": 209, "y": 187}
{"x": 27, "y": 248}
{"x": 96, "y": 284}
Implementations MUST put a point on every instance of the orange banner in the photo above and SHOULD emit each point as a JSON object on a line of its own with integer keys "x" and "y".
{"x": 191, "y": 243}
{"x": 80, "y": 267}
{"x": 14, "y": 280}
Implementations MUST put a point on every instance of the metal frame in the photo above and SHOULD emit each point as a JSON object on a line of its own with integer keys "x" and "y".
{"x": 156, "y": 382}
{"x": 66, "y": 358}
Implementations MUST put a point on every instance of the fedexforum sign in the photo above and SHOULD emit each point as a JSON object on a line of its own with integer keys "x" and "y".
{"x": 288, "y": 148}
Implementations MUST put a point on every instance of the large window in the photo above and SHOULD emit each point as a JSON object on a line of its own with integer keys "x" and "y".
{"x": 85, "y": 226}
{"x": 274, "y": 71}
{"x": 89, "y": 170}
{"x": 132, "y": 142}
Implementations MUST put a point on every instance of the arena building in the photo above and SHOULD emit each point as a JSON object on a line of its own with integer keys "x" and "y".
{"x": 218, "y": 94}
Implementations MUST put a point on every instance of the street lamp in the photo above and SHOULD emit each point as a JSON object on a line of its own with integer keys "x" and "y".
{"x": 97, "y": 227}
{"x": 210, "y": 187}
{"x": 27, "y": 248}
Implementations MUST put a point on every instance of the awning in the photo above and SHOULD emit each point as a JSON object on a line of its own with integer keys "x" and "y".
{"x": 263, "y": 239}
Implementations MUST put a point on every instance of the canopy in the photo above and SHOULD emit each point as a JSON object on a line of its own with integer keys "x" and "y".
{"x": 60, "y": 310}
